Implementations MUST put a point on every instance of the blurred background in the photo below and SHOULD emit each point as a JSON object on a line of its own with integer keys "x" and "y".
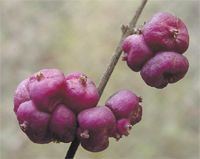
{"x": 82, "y": 35}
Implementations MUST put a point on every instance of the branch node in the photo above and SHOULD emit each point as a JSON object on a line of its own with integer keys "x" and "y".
{"x": 124, "y": 28}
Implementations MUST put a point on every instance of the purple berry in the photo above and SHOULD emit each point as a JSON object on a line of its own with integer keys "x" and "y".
{"x": 97, "y": 142}
{"x": 136, "y": 52}
{"x": 95, "y": 126}
{"x": 34, "y": 123}
{"x": 47, "y": 88}
{"x": 63, "y": 124}
{"x": 81, "y": 92}
{"x": 123, "y": 126}
{"x": 97, "y": 119}
{"x": 21, "y": 94}
{"x": 164, "y": 68}
{"x": 122, "y": 103}
{"x": 125, "y": 106}
{"x": 165, "y": 32}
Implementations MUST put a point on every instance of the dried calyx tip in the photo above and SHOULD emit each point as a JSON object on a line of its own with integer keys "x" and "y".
{"x": 128, "y": 127}
{"x": 39, "y": 76}
{"x": 124, "y": 57}
{"x": 117, "y": 136}
{"x": 85, "y": 134}
{"x": 124, "y": 28}
{"x": 140, "y": 99}
{"x": 56, "y": 141}
{"x": 83, "y": 79}
{"x": 24, "y": 126}
{"x": 138, "y": 31}
{"x": 175, "y": 33}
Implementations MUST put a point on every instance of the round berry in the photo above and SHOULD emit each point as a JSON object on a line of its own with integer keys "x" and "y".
{"x": 34, "y": 123}
{"x": 95, "y": 126}
{"x": 21, "y": 94}
{"x": 136, "y": 52}
{"x": 81, "y": 92}
{"x": 125, "y": 106}
{"x": 97, "y": 119}
{"x": 96, "y": 142}
{"x": 47, "y": 89}
{"x": 165, "y": 32}
{"x": 63, "y": 124}
{"x": 123, "y": 103}
{"x": 164, "y": 68}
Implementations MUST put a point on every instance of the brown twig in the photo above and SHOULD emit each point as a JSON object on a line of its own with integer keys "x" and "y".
{"x": 126, "y": 31}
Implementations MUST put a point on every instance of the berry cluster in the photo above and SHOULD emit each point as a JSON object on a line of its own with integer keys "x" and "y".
{"x": 156, "y": 51}
{"x": 43, "y": 104}
{"x": 53, "y": 107}
{"x": 121, "y": 111}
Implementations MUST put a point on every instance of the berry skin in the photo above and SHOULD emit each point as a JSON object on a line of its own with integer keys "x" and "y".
{"x": 95, "y": 126}
{"x": 165, "y": 32}
{"x": 21, "y": 94}
{"x": 97, "y": 119}
{"x": 97, "y": 142}
{"x": 125, "y": 106}
{"x": 81, "y": 92}
{"x": 122, "y": 103}
{"x": 164, "y": 68}
{"x": 63, "y": 124}
{"x": 47, "y": 88}
{"x": 136, "y": 52}
{"x": 34, "y": 123}
{"x": 123, "y": 126}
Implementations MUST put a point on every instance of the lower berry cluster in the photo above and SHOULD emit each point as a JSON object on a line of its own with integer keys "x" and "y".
{"x": 53, "y": 107}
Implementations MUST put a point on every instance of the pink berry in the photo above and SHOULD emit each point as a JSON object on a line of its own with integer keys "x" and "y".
{"x": 47, "y": 88}
{"x": 165, "y": 32}
{"x": 125, "y": 106}
{"x": 124, "y": 126}
{"x": 136, "y": 52}
{"x": 34, "y": 123}
{"x": 164, "y": 68}
{"x": 96, "y": 142}
{"x": 21, "y": 94}
{"x": 81, "y": 92}
{"x": 122, "y": 103}
{"x": 63, "y": 124}
{"x": 95, "y": 126}
{"x": 97, "y": 119}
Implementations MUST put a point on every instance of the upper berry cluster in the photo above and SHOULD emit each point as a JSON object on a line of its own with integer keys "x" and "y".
{"x": 157, "y": 50}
